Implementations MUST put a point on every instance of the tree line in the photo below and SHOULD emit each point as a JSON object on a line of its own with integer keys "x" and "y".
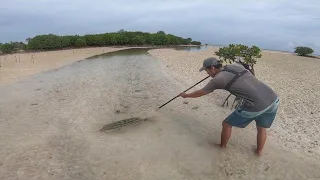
{"x": 120, "y": 38}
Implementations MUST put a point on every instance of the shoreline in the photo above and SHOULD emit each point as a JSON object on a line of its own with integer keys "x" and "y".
{"x": 19, "y": 65}
{"x": 94, "y": 47}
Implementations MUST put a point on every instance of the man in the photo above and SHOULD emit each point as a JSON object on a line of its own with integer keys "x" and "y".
{"x": 260, "y": 102}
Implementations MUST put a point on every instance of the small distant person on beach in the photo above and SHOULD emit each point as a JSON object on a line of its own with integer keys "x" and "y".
{"x": 260, "y": 102}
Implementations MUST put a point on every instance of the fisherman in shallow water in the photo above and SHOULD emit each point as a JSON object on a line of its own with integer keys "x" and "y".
{"x": 260, "y": 102}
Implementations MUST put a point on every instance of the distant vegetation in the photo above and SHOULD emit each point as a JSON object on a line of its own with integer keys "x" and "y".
{"x": 240, "y": 53}
{"x": 303, "y": 51}
{"x": 120, "y": 38}
{"x": 7, "y": 48}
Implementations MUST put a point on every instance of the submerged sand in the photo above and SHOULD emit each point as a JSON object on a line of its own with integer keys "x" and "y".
{"x": 295, "y": 79}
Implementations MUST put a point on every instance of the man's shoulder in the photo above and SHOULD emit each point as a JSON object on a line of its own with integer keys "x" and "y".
{"x": 235, "y": 66}
{"x": 233, "y": 69}
{"x": 230, "y": 70}
{"x": 223, "y": 77}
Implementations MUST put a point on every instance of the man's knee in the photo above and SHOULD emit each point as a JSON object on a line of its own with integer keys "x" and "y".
{"x": 226, "y": 125}
{"x": 261, "y": 130}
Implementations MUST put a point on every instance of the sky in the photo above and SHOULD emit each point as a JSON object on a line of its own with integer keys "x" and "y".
{"x": 269, "y": 24}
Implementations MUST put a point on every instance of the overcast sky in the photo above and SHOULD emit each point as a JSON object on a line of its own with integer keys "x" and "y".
{"x": 270, "y": 24}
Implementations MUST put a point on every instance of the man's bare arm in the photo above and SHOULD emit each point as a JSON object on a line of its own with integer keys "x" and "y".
{"x": 194, "y": 94}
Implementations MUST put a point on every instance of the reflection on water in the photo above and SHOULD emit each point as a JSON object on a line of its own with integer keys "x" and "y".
{"x": 123, "y": 53}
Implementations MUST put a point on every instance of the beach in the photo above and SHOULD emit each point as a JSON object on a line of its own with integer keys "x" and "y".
{"x": 56, "y": 104}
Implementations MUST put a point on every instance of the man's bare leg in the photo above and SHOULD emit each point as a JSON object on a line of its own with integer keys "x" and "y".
{"x": 225, "y": 134}
{"x": 261, "y": 139}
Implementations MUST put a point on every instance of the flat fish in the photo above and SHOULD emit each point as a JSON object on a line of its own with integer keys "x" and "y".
{"x": 122, "y": 123}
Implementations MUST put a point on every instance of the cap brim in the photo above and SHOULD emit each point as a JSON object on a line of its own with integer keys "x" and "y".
{"x": 201, "y": 69}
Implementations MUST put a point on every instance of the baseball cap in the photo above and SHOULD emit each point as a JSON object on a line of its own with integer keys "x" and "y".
{"x": 209, "y": 62}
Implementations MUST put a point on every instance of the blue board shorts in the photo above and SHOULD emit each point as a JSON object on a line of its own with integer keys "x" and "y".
{"x": 263, "y": 118}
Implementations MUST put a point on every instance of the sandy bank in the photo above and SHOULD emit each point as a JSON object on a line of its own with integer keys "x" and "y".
{"x": 295, "y": 79}
{"x": 17, "y": 66}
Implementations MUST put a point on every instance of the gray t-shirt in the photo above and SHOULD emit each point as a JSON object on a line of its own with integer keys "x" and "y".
{"x": 256, "y": 95}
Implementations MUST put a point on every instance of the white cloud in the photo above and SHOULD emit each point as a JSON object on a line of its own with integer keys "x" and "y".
{"x": 269, "y": 23}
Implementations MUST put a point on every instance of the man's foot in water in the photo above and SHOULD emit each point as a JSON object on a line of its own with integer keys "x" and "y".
{"x": 223, "y": 146}
{"x": 219, "y": 146}
{"x": 258, "y": 152}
